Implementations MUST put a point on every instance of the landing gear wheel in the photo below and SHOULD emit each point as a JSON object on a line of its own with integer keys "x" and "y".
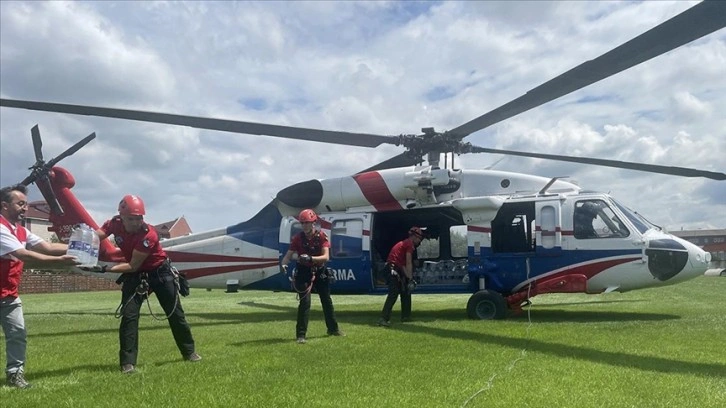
{"x": 486, "y": 305}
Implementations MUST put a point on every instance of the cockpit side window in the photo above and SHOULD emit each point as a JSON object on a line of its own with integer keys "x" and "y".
{"x": 594, "y": 219}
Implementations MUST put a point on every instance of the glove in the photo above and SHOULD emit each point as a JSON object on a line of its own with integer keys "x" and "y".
{"x": 94, "y": 269}
{"x": 411, "y": 286}
{"x": 306, "y": 259}
{"x": 283, "y": 269}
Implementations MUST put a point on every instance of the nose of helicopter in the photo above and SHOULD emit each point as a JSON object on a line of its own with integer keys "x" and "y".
{"x": 675, "y": 259}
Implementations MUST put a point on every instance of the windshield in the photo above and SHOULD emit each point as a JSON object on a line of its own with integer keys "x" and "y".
{"x": 640, "y": 223}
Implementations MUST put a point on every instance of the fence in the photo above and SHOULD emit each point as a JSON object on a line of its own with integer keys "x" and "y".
{"x": 34, "y": 281}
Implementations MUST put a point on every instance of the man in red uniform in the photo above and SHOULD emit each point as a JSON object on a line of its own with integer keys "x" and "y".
{"x": 17, "y": 245}
{"x": 313, "y": 249}
{"x": 400, "y": 265}
{"x": 147, "y": 269}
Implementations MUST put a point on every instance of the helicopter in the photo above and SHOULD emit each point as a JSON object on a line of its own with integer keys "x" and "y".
{"x": 502, "y": 236}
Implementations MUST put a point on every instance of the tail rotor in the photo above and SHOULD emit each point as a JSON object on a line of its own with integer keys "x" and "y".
{"x": 39, "y": 172}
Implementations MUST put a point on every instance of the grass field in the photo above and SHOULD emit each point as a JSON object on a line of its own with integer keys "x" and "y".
{"x": 652, "y": 348}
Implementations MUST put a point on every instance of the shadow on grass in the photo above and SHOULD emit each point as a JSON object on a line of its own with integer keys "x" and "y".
{"x": 371, "y": 316}
{"x": 537, "y": 316}
{"x": 95, "y": 368}
{"x": 589, "y": 316}
{"x": 194, "y": 326}
{"x": 83, "y": 313}
{"x": 64, "y": 372}
{"x": 264, "y": 342}
{"x": 585, "y": 303}
{"x": 277, "y": 313}
{"x": 645, "y": 363}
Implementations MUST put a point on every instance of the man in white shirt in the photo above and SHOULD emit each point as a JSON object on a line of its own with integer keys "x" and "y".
{"x": 17, "y": 245}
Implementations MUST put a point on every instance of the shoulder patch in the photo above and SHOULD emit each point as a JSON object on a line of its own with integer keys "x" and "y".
{"x": 146, "y": 243}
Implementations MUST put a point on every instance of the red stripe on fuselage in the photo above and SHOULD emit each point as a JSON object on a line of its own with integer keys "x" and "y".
{"x": 474, "y": 228}
{"x": 376, "y": 191}
{"x": 217, "y": 270}
{"x": 192, "y": 257}
{"x": 589, "y": 270}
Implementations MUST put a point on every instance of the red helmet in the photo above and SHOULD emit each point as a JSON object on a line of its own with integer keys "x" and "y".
{"x": 307, "y": 215}
{"x": 131, "y": 205}
{"x": 415, "y": 231}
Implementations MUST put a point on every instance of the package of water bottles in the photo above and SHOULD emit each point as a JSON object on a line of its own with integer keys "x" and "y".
{"x": 84, "y": 245}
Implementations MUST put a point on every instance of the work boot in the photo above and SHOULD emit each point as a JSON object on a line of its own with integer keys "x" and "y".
{"x": 128, "y": 369}
{"x": 383, "y": 322}
{"x": 194, "y": 357}
{"x": 17, "y": 380}
{"x": 301, "y": 340}
{"x": 336, "y": 333}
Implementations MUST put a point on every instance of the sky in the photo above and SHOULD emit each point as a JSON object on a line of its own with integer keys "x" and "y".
{"x": 370, "y": 67}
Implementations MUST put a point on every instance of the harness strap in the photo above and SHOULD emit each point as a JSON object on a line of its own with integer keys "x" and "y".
{"x": 308, "y": 289}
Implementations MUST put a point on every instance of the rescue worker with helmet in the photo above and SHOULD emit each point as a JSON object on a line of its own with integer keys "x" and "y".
{"x": 146, "y": 270}
{"x": 400, "y": 277}
{"x": 313, "y": 249}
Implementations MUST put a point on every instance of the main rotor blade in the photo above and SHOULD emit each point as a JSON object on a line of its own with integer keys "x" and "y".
{"x": 71, "y": 150}
{"x": 701, "y": 19}
{"x": 37, "y": 144}
{"x": 651, "y": 168}
{"x": 288, "y": 132}
{"x": 402, "y": 160}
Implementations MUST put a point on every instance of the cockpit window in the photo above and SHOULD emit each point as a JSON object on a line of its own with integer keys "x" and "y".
{"x": 640, "y": 224}
{"x": 594, "y": 219}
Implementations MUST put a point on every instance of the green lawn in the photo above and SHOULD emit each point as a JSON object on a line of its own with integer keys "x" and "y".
{"x": 653, "y": 348}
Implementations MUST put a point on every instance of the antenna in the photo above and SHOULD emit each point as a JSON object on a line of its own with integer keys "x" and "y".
{"x": 550, "y": 183}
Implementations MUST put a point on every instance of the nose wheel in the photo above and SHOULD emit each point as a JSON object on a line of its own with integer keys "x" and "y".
{"x": 486, "y": 305}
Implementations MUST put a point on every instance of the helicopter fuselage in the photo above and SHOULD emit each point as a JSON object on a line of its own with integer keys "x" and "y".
{"x": 516, "y": 235}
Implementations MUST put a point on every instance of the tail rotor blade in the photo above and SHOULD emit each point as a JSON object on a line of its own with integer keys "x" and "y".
{"x": 30, "y": 179}
{"x": 37, "y": 143}
{"x": 39, "y": 171}
{"x": 46, "y": 189}
{"x": 72, "y": 149}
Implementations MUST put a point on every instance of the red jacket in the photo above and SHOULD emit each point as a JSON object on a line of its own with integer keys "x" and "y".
{"x": 12, "y": 269}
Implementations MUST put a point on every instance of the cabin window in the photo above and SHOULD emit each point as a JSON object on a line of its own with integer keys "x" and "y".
{"x": 459, "y": 245}
{"x": 346, "y": 239}
{"x": 594, "y": 219}
{"x": 548, "y": 224}
{"x": 429, "y": 248}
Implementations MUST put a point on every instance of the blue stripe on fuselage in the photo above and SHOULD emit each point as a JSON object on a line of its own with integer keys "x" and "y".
{"x": 263, "y": 229}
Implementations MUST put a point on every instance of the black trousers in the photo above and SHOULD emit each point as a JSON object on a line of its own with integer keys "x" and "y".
{"x": 162, "y": 284}
{"x": 322, "y": 287}
{"x": 397, "y": 285}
